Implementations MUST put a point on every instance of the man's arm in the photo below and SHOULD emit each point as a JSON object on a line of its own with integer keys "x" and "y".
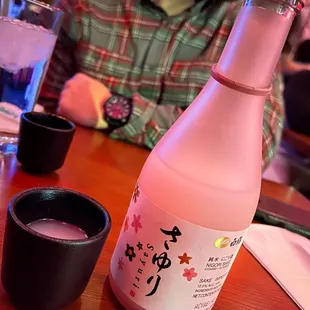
{"x": 290, "y": 66}
{"x": 62, "y": 64}
{"x": 150, "y": 122}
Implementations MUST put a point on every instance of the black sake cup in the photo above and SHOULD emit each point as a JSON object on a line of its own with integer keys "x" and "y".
{"x": 43, "y": 273}
{"x": 43, "y": 142}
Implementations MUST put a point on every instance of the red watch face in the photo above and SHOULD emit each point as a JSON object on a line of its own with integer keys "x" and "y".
{"x": 118, "y": 108}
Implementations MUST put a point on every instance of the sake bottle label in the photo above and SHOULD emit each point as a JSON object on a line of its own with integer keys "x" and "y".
{"x": 163, "y": 262}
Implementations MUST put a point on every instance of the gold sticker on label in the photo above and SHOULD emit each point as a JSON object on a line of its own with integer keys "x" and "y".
{"x": 222, "y": 242}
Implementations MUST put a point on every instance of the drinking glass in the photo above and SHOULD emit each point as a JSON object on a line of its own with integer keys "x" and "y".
{"x": 28, "y": 33}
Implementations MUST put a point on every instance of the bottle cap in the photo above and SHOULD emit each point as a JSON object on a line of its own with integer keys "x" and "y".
{"x": 296, "y": 5}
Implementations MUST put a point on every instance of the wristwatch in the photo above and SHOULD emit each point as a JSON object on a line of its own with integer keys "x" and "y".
{"x": 117, "y": 111}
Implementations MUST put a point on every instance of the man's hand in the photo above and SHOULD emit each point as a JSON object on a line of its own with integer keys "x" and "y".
{"x": 81, "y": 101}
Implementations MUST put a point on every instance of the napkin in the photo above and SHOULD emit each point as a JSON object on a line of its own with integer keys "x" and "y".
{"x": 10, "y": 117}
{"x": 286, "y": 256}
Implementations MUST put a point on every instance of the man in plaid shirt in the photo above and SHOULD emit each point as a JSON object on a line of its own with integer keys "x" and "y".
{"x": 156, "y": 53}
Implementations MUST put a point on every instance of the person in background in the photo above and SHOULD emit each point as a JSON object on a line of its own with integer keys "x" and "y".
{"x": 297, "y": 102}
{"x": 131, "y": 67}
{"x": 296, "y": 69}
{"x": 294, "y": 55}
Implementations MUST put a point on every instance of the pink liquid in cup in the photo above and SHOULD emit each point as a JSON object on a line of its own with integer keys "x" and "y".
{"x": 57, "y": 229}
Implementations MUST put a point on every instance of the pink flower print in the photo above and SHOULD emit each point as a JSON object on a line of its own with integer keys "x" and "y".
{"x": 136, "y": 223}
{"x": 120, "y": 264}
{"x": 136, "y": 193}
{"x": 189, "y": 274}
{"x": 126, "y": 224}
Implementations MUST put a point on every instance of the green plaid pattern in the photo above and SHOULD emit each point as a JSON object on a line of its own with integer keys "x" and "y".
{"x": 160, "y": 62}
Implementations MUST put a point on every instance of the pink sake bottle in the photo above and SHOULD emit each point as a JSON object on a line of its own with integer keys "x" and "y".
{"x": 198, "y": 190}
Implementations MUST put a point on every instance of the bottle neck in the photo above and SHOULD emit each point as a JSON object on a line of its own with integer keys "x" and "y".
{"x": 255, "y": 44}
{"x": 218, "y": 139}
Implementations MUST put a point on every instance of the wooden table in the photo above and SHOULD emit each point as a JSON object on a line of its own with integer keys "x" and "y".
{"x": 107, "y": 170}
{"x": 299, "y": 142}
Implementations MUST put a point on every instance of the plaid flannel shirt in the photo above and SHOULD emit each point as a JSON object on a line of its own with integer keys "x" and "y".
{"x": 160, "y": 62}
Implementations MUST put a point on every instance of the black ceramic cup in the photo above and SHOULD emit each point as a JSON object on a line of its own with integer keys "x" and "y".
{"x": 44, "y": 141}
{"x": 44, "y": 273}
